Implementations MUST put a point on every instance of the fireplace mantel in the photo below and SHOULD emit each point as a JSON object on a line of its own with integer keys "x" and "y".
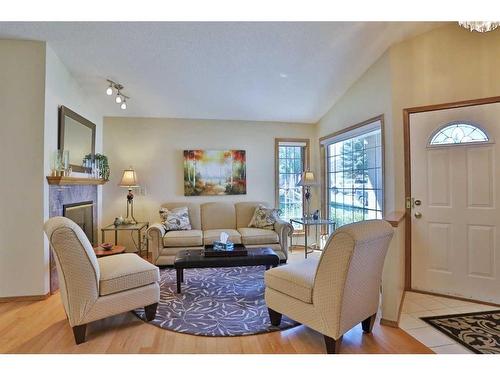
{"x": 66, "y": 180}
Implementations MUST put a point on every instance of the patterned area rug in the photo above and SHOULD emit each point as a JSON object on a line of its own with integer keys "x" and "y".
{"x": 215, "y": 302}
{"x": 479, "y": 332}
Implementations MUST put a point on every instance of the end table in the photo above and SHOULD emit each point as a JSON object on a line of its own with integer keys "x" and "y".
{"x": 138, "y": 227}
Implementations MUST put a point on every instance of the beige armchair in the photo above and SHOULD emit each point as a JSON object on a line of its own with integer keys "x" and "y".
{"x": 337, "y": 291}
{"x": 92, "y": 288}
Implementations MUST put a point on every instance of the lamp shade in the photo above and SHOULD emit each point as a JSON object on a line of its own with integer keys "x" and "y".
{"x": 129, "y": 178}
{"x": 307, "y": 179}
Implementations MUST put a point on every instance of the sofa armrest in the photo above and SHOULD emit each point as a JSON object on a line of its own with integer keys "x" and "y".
{"x": 155, "y": 233}
{"x": 284, "y": 230}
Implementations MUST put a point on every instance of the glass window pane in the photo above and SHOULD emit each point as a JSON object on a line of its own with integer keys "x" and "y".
{"x": 458, "y": 132}
{"x": 354, "y": 170}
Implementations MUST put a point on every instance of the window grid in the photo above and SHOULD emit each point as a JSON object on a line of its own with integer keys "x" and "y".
{"x": 355, "y": 181}
{"x": 291, "y": 166}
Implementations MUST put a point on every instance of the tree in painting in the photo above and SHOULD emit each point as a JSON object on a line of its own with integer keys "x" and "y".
{"x": 214, "y": 172}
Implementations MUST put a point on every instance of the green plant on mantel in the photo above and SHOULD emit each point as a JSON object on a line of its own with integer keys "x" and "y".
{"x": 101, "y": 163}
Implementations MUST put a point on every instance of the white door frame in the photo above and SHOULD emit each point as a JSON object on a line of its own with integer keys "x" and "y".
{"x": 407, "y": 167}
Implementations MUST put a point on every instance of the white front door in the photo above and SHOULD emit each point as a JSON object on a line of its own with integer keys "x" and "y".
{"x": 455, "y": 218}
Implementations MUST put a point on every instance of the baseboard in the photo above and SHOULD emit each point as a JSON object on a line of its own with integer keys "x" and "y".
{"x": 389, "y": 323}
{"x": 455, "y": 297}
{"x": 25, "y": 298}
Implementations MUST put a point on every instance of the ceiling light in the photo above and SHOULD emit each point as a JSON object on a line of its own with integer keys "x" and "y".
{"x": 124, "y": 105}
{"x": 109, "y": 90}
{"x": 118, "y": 98}
{"x": 479, "y": 26}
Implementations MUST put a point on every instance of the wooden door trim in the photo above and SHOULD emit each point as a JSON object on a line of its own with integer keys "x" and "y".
{"x": 407, "y": 163}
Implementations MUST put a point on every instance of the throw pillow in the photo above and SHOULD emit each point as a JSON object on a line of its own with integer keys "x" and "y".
{"x": 176, "y": 218}
{"x": 264, "y": 218}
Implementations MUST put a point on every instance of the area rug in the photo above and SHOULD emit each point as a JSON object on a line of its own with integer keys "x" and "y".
{"x": 478, "y": 332}
{"x": 215, "y": 302}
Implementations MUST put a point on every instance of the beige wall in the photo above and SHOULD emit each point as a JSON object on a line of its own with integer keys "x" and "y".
{"x": 370, "y": 96}
{"x": 33, "y": 83}
{"x": 444, "y": 65}
{"x": 22, "y": 259}
{"x": 154, "y": 148}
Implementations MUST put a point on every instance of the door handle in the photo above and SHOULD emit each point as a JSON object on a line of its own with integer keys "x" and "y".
{"x": 418, "y": 215}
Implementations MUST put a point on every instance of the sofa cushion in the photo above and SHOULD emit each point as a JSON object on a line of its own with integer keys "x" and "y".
{"x": 218, "y": 215}
{"x": 125, "y": 271}
{"x": 245, "y": 212}
{"x": 209, "y": 236}
{"x": 176, "y": 218}
{"x": 257, "y": 236}
{"x": 295, "y": 279}
{"x": 179, "y": 238}
{"x": 264, "y": 218}
{"x": 193, "y": 211}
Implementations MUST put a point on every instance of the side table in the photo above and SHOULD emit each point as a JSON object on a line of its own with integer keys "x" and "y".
{"x": 100, "y": 252}
{"x": 308, "y": 222}
{"x": 138, "y": 227}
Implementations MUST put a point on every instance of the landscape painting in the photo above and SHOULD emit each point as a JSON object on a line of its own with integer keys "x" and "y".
{"x": 214, "y": 172}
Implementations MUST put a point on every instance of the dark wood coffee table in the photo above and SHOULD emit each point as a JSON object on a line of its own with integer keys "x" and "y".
{"x": 260, "y": 256}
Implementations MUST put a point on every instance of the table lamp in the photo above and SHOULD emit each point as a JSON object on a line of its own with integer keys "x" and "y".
{"x": 129, "y": 180}
{"x": 307, "y": 180}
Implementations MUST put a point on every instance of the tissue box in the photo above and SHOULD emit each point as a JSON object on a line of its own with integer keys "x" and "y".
{"x": 223, "y": 246}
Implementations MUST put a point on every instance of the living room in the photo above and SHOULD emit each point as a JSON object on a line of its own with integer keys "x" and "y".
{"x": 249, "y": 187}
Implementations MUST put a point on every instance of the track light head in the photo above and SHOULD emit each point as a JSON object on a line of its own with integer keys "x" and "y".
{"x": 118, "y": 98}
{"x": 124, "y": 105}
{"x": 109, "y": 91}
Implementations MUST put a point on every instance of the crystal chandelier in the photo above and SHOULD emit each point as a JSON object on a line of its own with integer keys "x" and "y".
{"x": 479, "y": 26}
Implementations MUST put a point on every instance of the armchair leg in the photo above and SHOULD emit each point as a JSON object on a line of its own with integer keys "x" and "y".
{"x": 150, "y": 311}
{"x": 275, "y": 317}
{"x": 367, "y": 324}
{"x": 79, "y": 333}
{"x": 332, "y": 345}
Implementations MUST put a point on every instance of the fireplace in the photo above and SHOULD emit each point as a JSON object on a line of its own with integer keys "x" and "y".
{"x": 82, "y": 213}
{"x": 79, "y": 203}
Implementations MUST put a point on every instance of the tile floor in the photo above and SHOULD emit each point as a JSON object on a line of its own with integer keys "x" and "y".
{"x": 417, "y": 305}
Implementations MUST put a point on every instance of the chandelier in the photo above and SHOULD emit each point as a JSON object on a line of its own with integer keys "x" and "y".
{"x": 479, "y": 26}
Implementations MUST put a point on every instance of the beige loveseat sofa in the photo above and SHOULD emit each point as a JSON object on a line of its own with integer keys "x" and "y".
{"x": 208, "y": 220}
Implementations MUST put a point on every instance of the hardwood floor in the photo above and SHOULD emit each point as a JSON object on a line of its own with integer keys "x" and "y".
{"x": 41, "y": 327}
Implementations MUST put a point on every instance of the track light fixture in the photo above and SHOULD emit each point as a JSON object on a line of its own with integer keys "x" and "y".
{"x": 120, "y": 98}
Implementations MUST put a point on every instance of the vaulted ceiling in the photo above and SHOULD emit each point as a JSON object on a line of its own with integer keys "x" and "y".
{"x": 263, "y": 71}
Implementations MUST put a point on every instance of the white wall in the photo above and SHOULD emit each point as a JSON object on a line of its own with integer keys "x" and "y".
{"x": 154, "y": 148}
{"x": 23, "y": 264}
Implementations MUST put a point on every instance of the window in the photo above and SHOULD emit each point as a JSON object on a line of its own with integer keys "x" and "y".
{"x": 458, "y": 132}
{"x": 291, "y": 159}
{"x": 354, "y": 173}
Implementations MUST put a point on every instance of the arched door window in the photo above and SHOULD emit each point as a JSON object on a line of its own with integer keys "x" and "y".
{"x": 458, "y": 133}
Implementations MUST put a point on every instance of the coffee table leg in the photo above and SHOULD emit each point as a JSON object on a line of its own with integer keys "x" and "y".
{"x": 182, "y": 275}
{"x": 267, "y": 267}
{"x": 179, "y": 279}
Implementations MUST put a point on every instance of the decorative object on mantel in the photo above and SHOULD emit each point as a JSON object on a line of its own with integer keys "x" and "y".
{"x": 129, "y": 180}
{"x": 60, "y": 163}
{"x": 120, "y": 98}
{"x": 307, "y": 180}
{"x": 479, "y": 26}
{"x": 214, "y": 172}
{"x": 97, "y": 165}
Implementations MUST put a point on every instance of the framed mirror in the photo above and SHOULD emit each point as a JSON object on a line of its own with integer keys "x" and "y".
{"x": 77, "y": 135}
